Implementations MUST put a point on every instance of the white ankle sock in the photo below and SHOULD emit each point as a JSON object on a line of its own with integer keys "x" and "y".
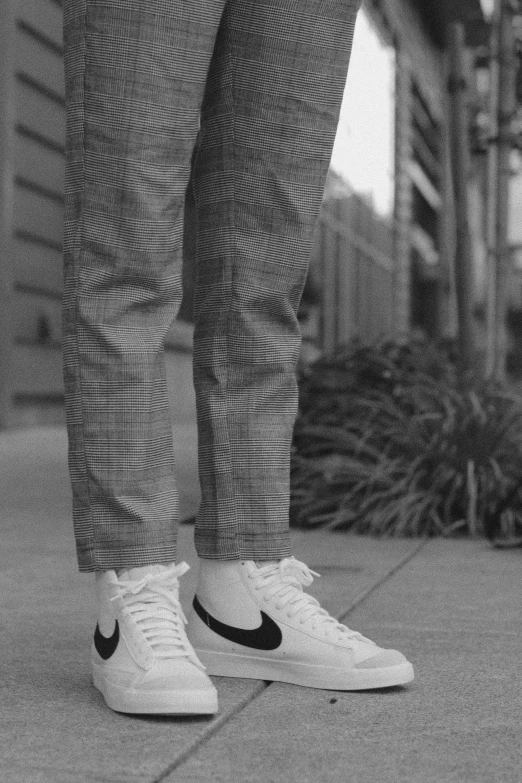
{"x": 221, "y": 590}
{"x": 136, "y": 572}
{"x": 215, "y": 573}
{"x": 140, "y": 571}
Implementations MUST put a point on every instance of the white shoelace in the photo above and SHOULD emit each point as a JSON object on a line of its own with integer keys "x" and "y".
{"x": 284, "y": 582}
{"x": 153, "y": 604}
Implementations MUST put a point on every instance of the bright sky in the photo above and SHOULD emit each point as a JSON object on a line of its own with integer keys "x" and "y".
{"x": 363, "y": 152}
{"x": 488, "y": 7}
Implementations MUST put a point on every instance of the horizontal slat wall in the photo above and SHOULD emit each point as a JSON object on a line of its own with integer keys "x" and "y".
{"x": 36, "y": 317}
{"x": 39, "y": 163}
{"x": 40, "y": 116}
{"x": 7, "y": 122}
{"x": 29, "y": 257}
{"x": 36, "y": 362}
{"x": 38, "y": 216}
{"x": 38, "y": 63}
{"x": 44, "y": 18}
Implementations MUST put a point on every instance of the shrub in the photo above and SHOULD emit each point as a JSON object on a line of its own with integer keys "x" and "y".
{"x": 390, "y": 440}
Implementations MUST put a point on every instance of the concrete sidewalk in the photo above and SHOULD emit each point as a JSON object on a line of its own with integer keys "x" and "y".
{"x": 453, "y": 607}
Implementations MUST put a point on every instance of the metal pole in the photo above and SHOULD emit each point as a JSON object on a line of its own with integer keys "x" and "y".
{"x": 492, "y": 191}
{"x": 461, "y": 164}
{"x": 506, "y": 112}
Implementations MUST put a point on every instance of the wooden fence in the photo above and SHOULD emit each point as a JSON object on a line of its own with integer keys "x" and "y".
{"x": 353, "y": 256}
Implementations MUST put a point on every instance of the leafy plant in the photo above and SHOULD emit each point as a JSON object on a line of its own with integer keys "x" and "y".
{"x": 391, "y": 440}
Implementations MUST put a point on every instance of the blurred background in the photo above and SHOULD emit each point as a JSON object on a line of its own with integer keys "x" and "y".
{"x": 420, "y": 231}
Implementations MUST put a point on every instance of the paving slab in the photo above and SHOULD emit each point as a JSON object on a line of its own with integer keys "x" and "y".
{"x": 454, "y": 609}
{"x": 54, "y": 726}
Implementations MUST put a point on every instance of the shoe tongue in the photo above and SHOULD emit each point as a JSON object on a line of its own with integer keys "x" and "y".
{"x": 130, "y": 574}
{"x": 135, "y": 574}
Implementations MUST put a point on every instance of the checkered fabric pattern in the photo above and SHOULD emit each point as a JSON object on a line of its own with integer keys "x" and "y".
{"x": 264, "y": 79}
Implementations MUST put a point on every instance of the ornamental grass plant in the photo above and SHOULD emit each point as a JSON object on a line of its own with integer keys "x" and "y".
{"x": 391, "y": 440}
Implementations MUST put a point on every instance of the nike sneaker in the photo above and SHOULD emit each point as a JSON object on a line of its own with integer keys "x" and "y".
{"x": 256, "y": 621}
{"x": 142, "y": 661}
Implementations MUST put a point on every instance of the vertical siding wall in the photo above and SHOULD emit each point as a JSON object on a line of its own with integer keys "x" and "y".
{"x": 39, "y": 158}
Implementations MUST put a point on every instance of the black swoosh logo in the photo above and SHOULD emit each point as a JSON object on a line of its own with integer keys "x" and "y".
{"x": 267, "y": 636}
{"x": 105, "y": 646}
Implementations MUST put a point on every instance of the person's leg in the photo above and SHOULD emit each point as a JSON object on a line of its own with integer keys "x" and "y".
{"x": 268, "y": 125}
{"x": 135, "y": 76}
{"x": 269, "y": 120}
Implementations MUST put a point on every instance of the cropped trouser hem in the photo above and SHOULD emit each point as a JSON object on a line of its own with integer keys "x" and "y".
{"x": 96, "y": 558}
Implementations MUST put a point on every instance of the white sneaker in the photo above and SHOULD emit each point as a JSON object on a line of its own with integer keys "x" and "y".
{"x": 256, "y": 621}
{"x": 142, "y": 661}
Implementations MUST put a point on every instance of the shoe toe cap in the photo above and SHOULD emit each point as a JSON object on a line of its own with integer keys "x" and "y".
{"x": 175, "y": 674}
{"x": 382, "y": 660}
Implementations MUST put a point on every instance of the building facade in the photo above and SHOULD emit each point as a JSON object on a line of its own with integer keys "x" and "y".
{"x": 376, "y": 275}
{"x": 383, "y": 275}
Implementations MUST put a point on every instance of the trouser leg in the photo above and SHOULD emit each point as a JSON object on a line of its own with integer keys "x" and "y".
{"x": 135, "y": 76}
{"x": 269, "y": 120}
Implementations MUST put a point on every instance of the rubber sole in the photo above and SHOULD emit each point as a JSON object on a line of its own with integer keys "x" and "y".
{"x": 139, "y": 702}
{"x": 222, "y": 664}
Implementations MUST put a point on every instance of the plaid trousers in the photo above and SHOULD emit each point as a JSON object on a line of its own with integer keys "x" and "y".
{"x": 262, "y": 82}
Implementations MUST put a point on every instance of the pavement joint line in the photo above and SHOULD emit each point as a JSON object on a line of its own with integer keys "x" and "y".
{"x": 262, "y": 686}
{"x": 214, "y": 727}
{"x": 393, "y": 570}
